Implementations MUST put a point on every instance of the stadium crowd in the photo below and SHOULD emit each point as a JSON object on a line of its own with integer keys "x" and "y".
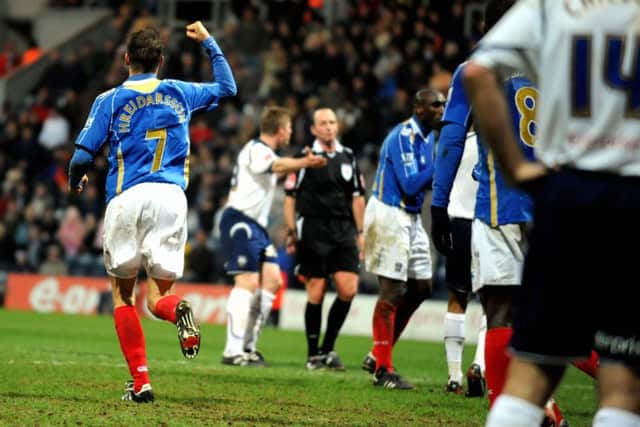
{"x": 364, "y": 65}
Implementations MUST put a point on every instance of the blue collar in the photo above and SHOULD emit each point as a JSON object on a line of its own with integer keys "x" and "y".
{"x": 142, "y": 76}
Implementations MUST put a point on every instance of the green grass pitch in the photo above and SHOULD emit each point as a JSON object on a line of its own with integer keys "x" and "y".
{"x": 68, "y": 370}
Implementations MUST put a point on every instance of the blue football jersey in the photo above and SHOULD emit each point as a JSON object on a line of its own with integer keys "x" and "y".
{"x": 496, "y": 202}
{"x": 456, "y": 121}
{"x": 145, "y": 121}
{"x": 405, "y": 168}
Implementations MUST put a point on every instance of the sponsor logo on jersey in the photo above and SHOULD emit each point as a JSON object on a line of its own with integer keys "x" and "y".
{"x": 290, "y": 183}
{"x": 407, "y": 157}
{"x": 270, "y": 251}
{"x": 242, "y": 261}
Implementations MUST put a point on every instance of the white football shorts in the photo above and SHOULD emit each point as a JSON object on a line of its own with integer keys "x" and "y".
{"x": 497, "y": 254}
{"x": 396, "y": 244}
{"x": 146, "y": 226}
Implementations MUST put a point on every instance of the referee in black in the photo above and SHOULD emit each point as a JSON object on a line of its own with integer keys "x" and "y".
{"x": 324, "y": 212}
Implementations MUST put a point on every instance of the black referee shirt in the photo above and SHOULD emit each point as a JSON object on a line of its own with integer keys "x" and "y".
{"x": 328, "y": 191}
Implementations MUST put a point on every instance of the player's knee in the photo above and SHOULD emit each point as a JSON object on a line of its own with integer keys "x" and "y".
{"x": 125, "y": 269}
{"x": 347, "y": 294}
{"x": 274, "y": 284}
{"x": 158, "y": 272}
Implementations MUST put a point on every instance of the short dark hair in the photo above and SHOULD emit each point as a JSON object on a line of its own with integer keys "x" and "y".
{"x": 145, "y": 49}
{"x": 494, "y": 10}
{"x": 423, "y": 95}
{"x": 273, "y": 118}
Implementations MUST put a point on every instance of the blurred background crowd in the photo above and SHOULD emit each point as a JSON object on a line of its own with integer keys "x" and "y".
{"x": 365, "y": 59}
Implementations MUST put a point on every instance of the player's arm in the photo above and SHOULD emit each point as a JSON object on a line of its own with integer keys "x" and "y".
{"x": 206, "y": 95}
{"x": 450, "y": 145}
{"x": 358, "y": 204}
{"x": 89, "y": 141}
{"x": 405, "y": 165}
{"x": 290, "y": 221}
{"x": 292, "y": 164}
{"x": 357, "y": 207}
{"x": 290, "y": 211}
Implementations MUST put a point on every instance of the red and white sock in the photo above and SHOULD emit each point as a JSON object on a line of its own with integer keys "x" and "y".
{"x": 590, "y": 365}
{"x": 497, "y": 360}
{"x": 132, "y": 344}
{"x": 383, "y": 323}
{"x": 166, "y": 308}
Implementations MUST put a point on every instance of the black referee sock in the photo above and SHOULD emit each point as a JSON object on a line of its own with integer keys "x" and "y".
{"x": 337, "y": 315}
{"x": 312, "y": 323}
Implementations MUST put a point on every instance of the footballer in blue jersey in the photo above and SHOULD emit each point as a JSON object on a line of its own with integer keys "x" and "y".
{"x": 498, "y": 238}
{"x": 145, "y": 123}
{"x": 451, "y": 216}
{"x": 396, "y": 244}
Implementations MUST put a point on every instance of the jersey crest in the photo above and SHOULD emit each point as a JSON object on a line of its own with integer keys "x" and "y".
{"x": 347, "y": 171}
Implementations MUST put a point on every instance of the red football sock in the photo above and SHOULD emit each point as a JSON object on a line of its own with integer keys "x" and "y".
{"x": 383, "y": 320}
{"x": 131, "y": 339}
{"x": 590, "y": 365}
{"x": 166, "y": 308}
{"x": 497, "y": 360}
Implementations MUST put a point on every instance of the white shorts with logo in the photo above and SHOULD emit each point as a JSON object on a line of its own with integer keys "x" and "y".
{"x": 146, "y": 226}
{"x": 497, "y": 254}
{"x": 396, "y": 245}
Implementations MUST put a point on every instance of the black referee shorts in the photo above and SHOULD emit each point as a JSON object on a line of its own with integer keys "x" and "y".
{"x": 580, "y": 282}
{"x": 458, "y": 262}
{"x": 325, "y": 246}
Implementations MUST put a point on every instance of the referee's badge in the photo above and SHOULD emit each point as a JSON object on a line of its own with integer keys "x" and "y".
{"x": 347, "y": 171}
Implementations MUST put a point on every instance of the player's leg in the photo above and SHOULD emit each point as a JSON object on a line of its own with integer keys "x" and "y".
{"x": 238, "y": 307}
{"x": 454, "y": 337}
{"x": 617, "y": 339}
{"x": 311, "y": 259}
{"x": 163, "y": 231}
{"x": 243, "y": 243}
{"x": 270, "y": 283}
{"x": 122, "y": 261}
{"x": 343, "y": 262}
{"x": 547, "y": 336}
{"x": 131, "y": 338}
{"x": 384, "y": 315}
{"x": 497, "y": 258}
{"x": 476, "y": 383}
{"x": 497, "y": 302}
{"x": 346, "y": 286}
{"x": 315, "y": 288}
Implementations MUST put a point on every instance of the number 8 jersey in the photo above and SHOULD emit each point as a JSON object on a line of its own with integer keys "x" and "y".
{"x": 585, "y": 57}
{"x": 146, "y": 122}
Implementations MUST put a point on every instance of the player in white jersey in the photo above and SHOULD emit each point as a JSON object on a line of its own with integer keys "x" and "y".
{"x": 451, "y": 216}
{"x": 250, "y": 257}
{"x": 586, "y": 188}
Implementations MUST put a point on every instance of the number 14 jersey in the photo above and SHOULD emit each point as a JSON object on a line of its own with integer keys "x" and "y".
{"x": 585, "y": 59}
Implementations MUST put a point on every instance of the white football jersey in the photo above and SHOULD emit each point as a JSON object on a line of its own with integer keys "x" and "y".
{"x": 253, "y": 184}
{"x": 462, "y": 201}
{"x": 584, "y": 56}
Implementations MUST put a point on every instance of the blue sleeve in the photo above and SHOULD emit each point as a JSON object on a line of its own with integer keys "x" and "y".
{"x": 448, "y": 156}
{"x": 206, "y": 95}
{"x": 456, "y": 122}
{"x": 96, "y": 129}
{"x": 458, "y": 109}
{"x": 79, "y": 166}
{"x": 405, "y": 165}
